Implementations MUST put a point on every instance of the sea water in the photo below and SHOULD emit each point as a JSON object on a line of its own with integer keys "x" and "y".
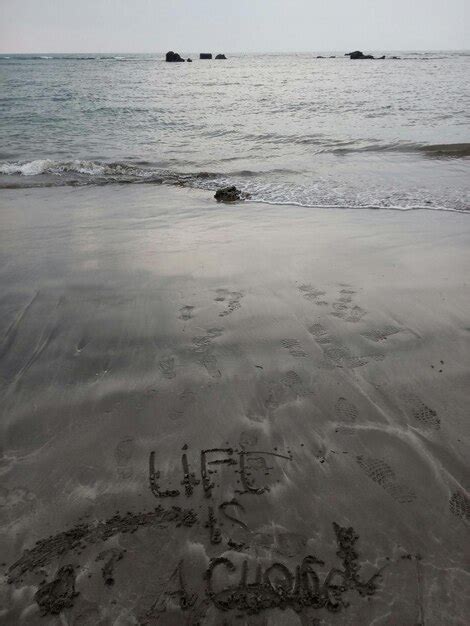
{"x": 285, "y": 128}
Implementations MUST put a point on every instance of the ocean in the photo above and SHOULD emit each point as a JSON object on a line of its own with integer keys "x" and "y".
{"x": 285, "y": 128}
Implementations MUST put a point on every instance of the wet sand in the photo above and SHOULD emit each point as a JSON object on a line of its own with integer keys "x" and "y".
{"x": 240, "y": 414}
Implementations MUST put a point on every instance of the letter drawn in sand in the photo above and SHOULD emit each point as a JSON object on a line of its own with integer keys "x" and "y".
{"x": 281, "y": 586}
{"x": 214, "y": 528}
{"x": 154, "y": 476}
{"x": 278, "y": 587}
{"x": 207, "y": 483}
{"x": 185, "y": 599}
{"x": 237, "y": 504}
{"x": 189, "y": 478}
{"x": 247, "y": 483}
{"x": 209, "y": 575}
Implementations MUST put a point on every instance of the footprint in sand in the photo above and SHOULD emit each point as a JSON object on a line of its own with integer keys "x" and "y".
{"x": 422, "y": 413}
{"x": 294, "y": 347}
{"x": 292, "y": 381}
{"x": 348, "y": 314}
{"x": 271, "y": 402}
{"x": 380, "y": 472}
{"x": 344, "y": 307}
{"x": 268, "y": 397}
{"x": 375, "y": 356}
{"x": 335, "y": 352}
{"x": 313, "y": 294}
{"x": 204, "y": 349}
{"x": 123, "y": 454}
{"x": 248, "y": 438}
{"x": 346, "y": 411}
{"x": 231, "y": 298}
{"x": 209, "y": 361}
{"x": 355, "y": 314}
{"x": 185, "y": 313}
{"x": 185, "y": 401}
{"x": 341, "y": 356}
{"x": 459, "y": 505}
{"x": 167, "y": 367}
{"x": 320, "y": 333}
{"x": 339, "y": 309}
{"x": 381, "y": 334}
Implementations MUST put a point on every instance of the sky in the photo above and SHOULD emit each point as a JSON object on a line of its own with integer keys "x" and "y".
{"x": 232, "y": 25}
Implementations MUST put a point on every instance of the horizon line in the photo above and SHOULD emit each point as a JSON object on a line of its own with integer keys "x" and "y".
{"x": 245, "y": 51}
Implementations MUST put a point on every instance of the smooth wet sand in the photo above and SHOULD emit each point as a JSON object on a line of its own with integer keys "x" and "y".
{"x": 325, "y": 352}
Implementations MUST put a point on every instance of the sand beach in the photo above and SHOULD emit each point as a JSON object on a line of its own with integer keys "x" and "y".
{"x": 231, "y": 414}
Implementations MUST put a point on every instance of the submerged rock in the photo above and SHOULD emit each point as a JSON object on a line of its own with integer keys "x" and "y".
{"x": 205, "y": 55}
{"x": 221, "y": 56}
{"x": 229, "y": 194}
{"x": 173, "y": 57}
{"x": 357, "y": 54}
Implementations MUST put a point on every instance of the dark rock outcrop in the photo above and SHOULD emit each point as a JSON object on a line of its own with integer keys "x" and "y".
{"x": 205, "y": 55}
{"x": 320, "y": 57}
{"x": 357, "y": 54}
{"x": 173, "y": 57}
{"x": 189, "y": 60}
{"x": 221, "y": 57}
{"x": 228, "y": 194}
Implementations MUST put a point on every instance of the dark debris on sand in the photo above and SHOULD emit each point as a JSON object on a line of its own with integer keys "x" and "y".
{"x": 59, "y": 594}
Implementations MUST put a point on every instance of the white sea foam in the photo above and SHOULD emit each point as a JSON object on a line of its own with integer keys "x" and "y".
{"x": 48, "y": 166}
{"x": 259, "y": 186}
{"x": 32, "y": 168}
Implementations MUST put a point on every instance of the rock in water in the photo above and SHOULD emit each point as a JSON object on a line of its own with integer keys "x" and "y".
{"x": 189, "y": 60}
{"x": 228, "y": 194}
{"x": 221, "y": 56}
{"x": 205, "y": 55}
{"x": 173, "y": 57}
{"x": 357, "y": 54}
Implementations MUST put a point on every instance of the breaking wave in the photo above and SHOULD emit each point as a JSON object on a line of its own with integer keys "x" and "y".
{"x": 267, "y": 186}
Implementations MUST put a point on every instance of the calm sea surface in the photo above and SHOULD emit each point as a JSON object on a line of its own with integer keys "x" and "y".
{"x": 286, "y": 128}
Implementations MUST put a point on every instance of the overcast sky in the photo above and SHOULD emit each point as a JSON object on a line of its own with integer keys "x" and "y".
{"x": 232, "y": 25}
